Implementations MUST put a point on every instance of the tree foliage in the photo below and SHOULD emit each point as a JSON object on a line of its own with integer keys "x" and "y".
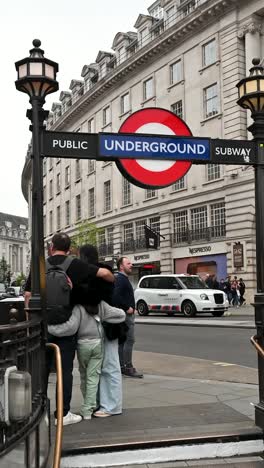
{"x": 5, "y": 275}
{"x": 87, "y": 233}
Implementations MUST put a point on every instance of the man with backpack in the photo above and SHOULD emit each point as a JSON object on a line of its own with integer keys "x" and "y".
{"x": 63, "y": 275}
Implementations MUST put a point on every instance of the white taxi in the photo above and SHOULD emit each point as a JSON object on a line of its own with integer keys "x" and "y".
{"x": 187, "y": 294}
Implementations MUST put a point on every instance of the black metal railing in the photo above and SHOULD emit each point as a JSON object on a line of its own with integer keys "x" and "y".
{"x": 22, "y": 345}
{"x": 133, "y": 245}
{"x": 188, "y": 236}
{"x": 105, "y": 249}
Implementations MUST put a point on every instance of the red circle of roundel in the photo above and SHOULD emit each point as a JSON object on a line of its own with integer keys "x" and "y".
{"x": 137, "y": 174}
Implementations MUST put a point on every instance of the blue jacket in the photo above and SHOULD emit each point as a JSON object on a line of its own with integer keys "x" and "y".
{"x": 123, "y": 295}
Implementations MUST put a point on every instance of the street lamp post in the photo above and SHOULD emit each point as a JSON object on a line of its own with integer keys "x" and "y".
{"x": 37, "y": 78}
{"x": 251, "y": 96}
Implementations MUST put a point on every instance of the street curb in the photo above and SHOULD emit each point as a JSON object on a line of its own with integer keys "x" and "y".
{"x": 186, "y": 324}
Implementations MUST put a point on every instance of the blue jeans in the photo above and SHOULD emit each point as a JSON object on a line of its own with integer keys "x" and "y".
{"x": 126, "y": 348}
{"x": 110, "y": 388}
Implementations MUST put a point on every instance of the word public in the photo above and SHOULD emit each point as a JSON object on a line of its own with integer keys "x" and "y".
{"x": 70, "y": 144}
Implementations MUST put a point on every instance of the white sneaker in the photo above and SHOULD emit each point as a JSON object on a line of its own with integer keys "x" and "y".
{"x": 88, "y": 416}
{"x": 70, "y": 418}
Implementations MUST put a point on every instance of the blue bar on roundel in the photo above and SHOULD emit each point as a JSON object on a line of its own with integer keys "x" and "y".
{"x": 154, "y": 147}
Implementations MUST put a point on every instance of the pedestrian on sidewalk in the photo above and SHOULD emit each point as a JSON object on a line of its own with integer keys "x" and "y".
{"x": 227, "y": 289}
{"x": 235, "y": 292}
{"x": 110, "y": 384}
{"x": 86, "y": 321}
{"x": 78, "y": 272}
{"x": 242, "y": 289}
{"x": 123, "y": 297}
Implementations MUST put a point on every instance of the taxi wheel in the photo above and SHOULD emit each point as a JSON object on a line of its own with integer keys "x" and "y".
{"x": 142, "y": 308}
{"x": 188, "y": 309}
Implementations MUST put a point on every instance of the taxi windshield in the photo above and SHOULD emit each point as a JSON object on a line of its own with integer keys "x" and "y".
{"x": 192, "y": 282}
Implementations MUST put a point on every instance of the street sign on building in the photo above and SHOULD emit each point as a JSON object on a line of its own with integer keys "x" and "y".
{"x": 154, "y": 173}
{"x": 233, "y": 152}
{"x": 238, "y": 255}
{"x": 153, "y": 149}
{"x": 70, "y": 145}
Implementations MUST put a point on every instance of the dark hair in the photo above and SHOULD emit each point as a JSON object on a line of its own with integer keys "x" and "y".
{"x": 89, "y": 254}
{"x": 61, "y": 241}
{"x": 119, "y": 262}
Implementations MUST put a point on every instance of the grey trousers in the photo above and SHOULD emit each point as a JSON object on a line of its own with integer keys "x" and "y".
{"x": 126, "y": 349}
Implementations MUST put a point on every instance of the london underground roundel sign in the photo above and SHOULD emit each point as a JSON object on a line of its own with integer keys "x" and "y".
{"x": 154, "y": 173}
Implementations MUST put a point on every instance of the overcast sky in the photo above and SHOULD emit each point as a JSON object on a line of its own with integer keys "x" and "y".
{"x": 71, "y": 33}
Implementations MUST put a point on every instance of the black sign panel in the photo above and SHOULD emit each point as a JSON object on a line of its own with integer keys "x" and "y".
{"x": 70, "y": 145}
{"x": 233, "y": 152}
{"x": 238, "y": 255}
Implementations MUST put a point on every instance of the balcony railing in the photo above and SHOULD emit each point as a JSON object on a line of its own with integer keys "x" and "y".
{"x": 188, "y": 236}
{"x": 105, "y": 250}
{"x": 133, "y": 245}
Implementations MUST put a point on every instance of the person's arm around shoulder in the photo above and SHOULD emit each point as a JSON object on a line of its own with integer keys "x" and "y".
{"x": 105, "y": 274}
{"x": 68, "y": 328}
{"x": 111, "y": 314}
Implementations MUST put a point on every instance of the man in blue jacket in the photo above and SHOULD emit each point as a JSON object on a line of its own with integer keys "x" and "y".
{"x": 123, "y": 297}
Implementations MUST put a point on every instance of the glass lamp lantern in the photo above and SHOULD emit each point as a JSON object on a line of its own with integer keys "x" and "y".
{"x": 251, "y": 89}
{"x": 36, "y": 75}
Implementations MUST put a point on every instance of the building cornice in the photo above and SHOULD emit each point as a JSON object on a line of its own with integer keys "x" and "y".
{"x": 176, "y": 34}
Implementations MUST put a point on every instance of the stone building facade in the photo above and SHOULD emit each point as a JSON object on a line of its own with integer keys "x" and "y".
{"x": 185, "y": 56}
{"x": 14, "y": 243}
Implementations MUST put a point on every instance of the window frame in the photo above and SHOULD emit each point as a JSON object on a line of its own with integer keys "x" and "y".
{"x": 146, "y": 97}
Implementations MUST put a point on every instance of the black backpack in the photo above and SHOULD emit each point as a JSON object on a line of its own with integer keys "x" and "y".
{"x": 58, "y": 292}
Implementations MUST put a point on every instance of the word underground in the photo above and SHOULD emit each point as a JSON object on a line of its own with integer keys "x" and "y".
{"x": 70, "y": 144}
{"x": 153, "y": 147}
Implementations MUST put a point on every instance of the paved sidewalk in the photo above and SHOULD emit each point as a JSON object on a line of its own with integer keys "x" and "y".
{"x": 168, "y": 405}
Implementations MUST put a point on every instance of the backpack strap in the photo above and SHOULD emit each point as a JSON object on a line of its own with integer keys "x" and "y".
{"x": 64, "y": 265}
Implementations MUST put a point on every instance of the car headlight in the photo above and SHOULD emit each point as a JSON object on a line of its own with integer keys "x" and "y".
{"x": 204, "y": 297}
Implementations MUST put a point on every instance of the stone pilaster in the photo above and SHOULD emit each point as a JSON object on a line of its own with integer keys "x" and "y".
{"x": 165, "y": 244}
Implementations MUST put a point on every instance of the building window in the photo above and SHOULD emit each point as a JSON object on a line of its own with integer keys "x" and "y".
{"x": 77, "y": 169}
{"x": 106, "y": 116}
{"x": 209, "y": 53}
{"x": 177, "y": 109}
{"x": 218, "y": 219}
{"x": 179, "y": 185}
{"x": 91, "y": 126}
{"x": 148, "y": 90}
{"x": 91, "y": 202}
{"x": 107, "y": 196}
{"x": 67, "y": 176}
{"x": 102, "y": 70}
{"x": 58, "y": 183}
{"x": 50, "y": 222}
{"x": 143, "y": 37}
{"x": 58, "y": 218}
{"x": 154, "y": 223}
{"x": 50, "y": 189}
{"x": 125, "y": 104}
{"x": 180, "y": 226}
{"x": 67, "y": 213}
{"x": 128, "y": 232}
{"x": 140, "y": 230}
{"x": 78, "y": 208}
{"x": 126, "y": 192}
{"x": 156, "y": 12}
{"x": 170, "y": 16}
{"x": 121, "y": 55}
{"x": 101, "y": 237}
{"x": 210, "y": 101}
{"x": 91, "y": 166}
{"x": 199, "y": 218}
{"x": 150, "y": 193}
{"x": 176, "y": 72}
{"x": 191, "y": 5}
{"x": 213, "y": 172}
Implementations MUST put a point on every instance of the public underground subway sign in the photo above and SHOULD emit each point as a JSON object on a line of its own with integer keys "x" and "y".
{"x": 155, "y": 172}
